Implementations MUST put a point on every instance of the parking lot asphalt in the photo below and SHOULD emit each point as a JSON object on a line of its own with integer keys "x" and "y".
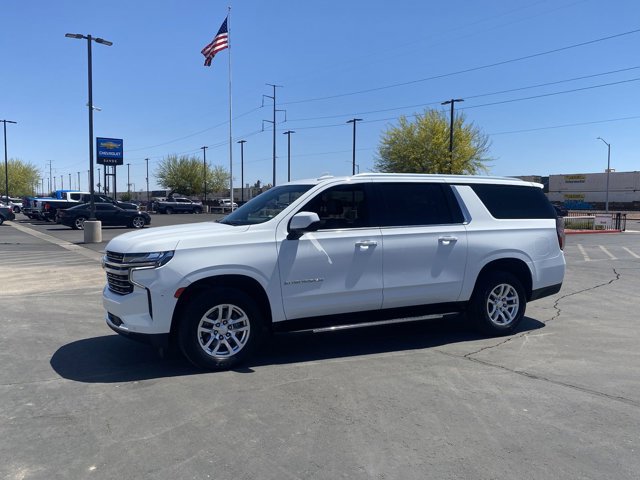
{"x": 559, "y": 399}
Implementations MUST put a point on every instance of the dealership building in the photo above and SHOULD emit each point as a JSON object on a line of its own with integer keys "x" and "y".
{"x": 588, "y": 191}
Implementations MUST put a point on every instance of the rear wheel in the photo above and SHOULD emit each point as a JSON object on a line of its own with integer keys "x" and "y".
{"x": 220, "y": 328}
{"x": 78, "y": 223}
{"x": 137, "y": 222}
{"x": 498, "y": 303}
{"x": 197, "y": 210}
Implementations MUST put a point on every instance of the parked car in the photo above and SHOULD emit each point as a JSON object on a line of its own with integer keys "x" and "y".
{"x": 178, "y": 205}
{"x": 223, "y": 205}
{"x": 14, "y": 203}
{"x": 107, "y": 213}
{"x": 6, "y": 213}
{"x": 337, "y": 252}
{"x": 47, "y": 208}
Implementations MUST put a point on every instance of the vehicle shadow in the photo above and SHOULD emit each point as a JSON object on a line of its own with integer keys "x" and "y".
{"x": 114, "y": 359}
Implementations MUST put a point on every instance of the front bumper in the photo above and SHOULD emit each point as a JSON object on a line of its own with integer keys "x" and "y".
{"x": 157, "y": 340}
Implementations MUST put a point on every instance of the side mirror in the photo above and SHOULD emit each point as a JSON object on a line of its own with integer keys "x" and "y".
{"x": 303, "y": 222}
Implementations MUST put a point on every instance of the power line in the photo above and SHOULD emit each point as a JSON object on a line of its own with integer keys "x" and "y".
{"x": 567, "y": 125}
{"x": 466, "y": 70}
{"x": 437, "y": 102}
{"x": 488, "y": 104}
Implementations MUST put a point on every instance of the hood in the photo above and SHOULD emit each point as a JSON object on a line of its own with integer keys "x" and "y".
{"x": 161, "y": 239}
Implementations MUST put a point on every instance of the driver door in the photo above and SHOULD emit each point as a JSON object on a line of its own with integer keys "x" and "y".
{"x": 338, "y": 268}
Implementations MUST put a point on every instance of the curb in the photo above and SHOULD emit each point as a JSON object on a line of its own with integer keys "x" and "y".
{"x": 581, "y": 232}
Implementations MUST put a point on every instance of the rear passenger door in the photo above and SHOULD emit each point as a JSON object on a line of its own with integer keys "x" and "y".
{"x": 424, "y": 243}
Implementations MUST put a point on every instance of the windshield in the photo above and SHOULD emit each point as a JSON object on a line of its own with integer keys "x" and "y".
{"x": 266, "y": 205}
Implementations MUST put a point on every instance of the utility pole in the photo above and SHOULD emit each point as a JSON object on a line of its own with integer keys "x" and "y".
{"x": 242, "y": 142}
{"x": 98, "y": 180}
{"x": 353, "y": 166}
{"x": 204, "y": 175}
{"x": 6, "y": 161}
{"x": 128, "y": 180}
{"x": 69, "y": 181}
{"x": 274, "y": 126}
{"x": 147, "y": 179}
{"x": 62, "y": 182}
{"x": 606, "y": 204}
{"x": 79, "y": 181}
{"x": 288, "y": 134}
{"x": 50, "y": 177}
{"x": 452, "y": 102}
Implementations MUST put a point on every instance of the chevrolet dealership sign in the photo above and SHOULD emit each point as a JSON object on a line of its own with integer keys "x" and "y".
{"x": 110, "y": 151}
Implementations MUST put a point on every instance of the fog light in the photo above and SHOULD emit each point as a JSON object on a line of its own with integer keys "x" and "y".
{"x": 115, "y": 320}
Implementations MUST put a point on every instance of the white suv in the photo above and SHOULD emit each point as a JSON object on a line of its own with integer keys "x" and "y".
{"x": 350, "y": 251}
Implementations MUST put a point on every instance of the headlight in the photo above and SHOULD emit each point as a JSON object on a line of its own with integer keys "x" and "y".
{"x": 152, "y": 259}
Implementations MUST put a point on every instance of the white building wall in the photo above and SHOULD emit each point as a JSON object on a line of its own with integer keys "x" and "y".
{"x": 624, "y": 187}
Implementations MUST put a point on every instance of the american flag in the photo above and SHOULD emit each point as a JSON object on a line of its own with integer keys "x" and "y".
{"x": 219, "y": 42}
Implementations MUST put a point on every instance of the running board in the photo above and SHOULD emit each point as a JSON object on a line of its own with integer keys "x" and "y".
{"x": 337, "y": 328}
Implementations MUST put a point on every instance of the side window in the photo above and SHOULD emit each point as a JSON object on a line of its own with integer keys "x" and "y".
{"x": 75, "y": 196}
{"x": 413, "y": 204}
{"x": 513, "y": 201}
{"x": 344, "y": 206}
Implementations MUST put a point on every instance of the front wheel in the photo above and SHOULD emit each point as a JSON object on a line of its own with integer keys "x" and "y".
{"x": 498, "y": 303}
{"x": 168, "y": 210}
{"x": 137, "y": 222}
{"x": 78, "y": 223}
{"x": 220, "y": 328}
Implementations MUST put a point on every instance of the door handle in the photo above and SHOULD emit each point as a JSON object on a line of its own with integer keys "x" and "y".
{"x": 447, "y": 240}
{"x": 366, "y": 243}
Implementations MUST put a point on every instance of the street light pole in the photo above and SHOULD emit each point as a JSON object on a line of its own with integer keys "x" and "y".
{"x": 6, "y": 161}
{"x": 242, "y": 142}
{"x": 606, "y": 204}
{"x": 91, "y": 235}
{"x": 452, "y": 102}
{"x": 288, "y": 134}
{"x": 128, "y": 180}
{"x": 204, "y": 174}
{"x": 353, "y": 161}
{"x": 147, "y": 179}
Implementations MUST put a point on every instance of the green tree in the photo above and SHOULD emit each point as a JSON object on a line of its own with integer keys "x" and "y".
{"x": 23, "y": 178}
{"x": 422, "y": 146}
{"x": 185, "y": 175}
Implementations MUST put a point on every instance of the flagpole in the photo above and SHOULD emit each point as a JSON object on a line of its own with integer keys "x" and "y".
{"x": 230, "y": 113}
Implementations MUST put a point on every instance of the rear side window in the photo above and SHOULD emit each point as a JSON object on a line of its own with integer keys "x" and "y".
{"x": 412, "y": 204}
{"x": 512, "y": 201}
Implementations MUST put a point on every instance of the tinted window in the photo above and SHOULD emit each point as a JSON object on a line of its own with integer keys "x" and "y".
{"x": 512, "y": 201}
{"x": 75, "y": 196}
{"x": 344, "y": 206}
{"x": 105, "y": 206}
{"x": 406, "y": 204}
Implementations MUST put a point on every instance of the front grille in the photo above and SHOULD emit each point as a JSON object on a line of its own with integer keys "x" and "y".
{"x": 117, "y": 274}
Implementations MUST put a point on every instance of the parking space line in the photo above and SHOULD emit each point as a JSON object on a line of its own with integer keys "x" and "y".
{"x": 584, "y": 253}
{"x": 611, "y": 256}
{"x": 631, "y": 253}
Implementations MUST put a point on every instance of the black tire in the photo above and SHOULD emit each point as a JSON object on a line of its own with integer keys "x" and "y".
{"x": 168, "y": 210}
{"x": 1, "y": 219}
{"x": 210, "y": 309}
{"x": 16, "y": 209}
{"x": 137, "y": 222}
{"x": 78, "y": 223}
{"x": 197, "y": 210}
{"x": 498, "y": 303}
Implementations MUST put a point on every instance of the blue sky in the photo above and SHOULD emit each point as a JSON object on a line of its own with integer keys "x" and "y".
{"x": 156, "y": 94}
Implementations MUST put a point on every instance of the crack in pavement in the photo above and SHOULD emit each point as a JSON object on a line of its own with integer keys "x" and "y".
{"x": 558, "y": 313}
{"x": 533, "y": 376}
{"x": 469, "y": 356}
